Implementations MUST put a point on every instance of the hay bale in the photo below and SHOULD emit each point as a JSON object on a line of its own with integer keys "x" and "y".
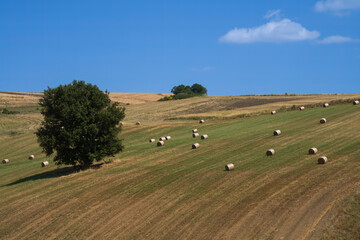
{"x": 313, "y": 150}
{"x": 229, "y": 167}
{"x": 152, "y": 140}
{"x": 356, "y": 102}
{"x": 195, "y": 135}
{"x": 195, "y": 145}
{"x": 168, "y": 137}
{"x": 44, "y": 164}
{"x": 162, "y": 139}
{"x": 121, "y": 123}
{"x": 137, "y": 123}
{"x": 322, "y": 160}
{"x": 323, "y": 120}
{"x": 301, "y": 108}
{"x": 273, "y": 112}
{"x": 205, "y": 136}
{"x": 277, "y": 132}
{"x": 160, "y": 143}
{"x": 5, "y": 160}
{"x": 31, "y": 157}
{"x": 195, "y": 130}
{"x": 325, "y": 105}
{"x": 202, "y": 121}
{"x": 270, "y": 152}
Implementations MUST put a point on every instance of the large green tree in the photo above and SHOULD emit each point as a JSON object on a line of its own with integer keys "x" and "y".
{"x": 80, "y": 124}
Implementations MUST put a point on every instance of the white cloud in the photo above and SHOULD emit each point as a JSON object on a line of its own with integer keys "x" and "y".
{"x": 272, "y": 13}
{"x": 336, "y": 39}
{"x": 337, "y": 5}
{"x": 284, "y": 30}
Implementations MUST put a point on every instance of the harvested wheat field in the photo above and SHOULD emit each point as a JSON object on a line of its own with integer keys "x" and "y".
{"x": 136, "y": 98}
{"x": 228, "y": 107}
{"x": 18, "y": 99}
{"x": 174, "y": 192}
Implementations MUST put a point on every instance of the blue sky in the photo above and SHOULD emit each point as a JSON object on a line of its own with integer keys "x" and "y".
{"x": 230, "y": 47}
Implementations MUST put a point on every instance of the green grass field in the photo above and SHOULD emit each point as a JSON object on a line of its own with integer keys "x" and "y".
{"x": 175, "y": 192}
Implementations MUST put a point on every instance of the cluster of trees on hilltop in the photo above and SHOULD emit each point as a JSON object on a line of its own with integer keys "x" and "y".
{"x": 182, "y": 91}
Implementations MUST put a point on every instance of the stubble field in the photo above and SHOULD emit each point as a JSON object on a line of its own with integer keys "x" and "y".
{"x": 175, "y": 192}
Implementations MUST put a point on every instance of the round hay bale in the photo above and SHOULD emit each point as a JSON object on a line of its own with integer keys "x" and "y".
{"x": 31, "y": 157}
{"x": 137, "y": 123}
{"x": 229, "y": 167}
{"x": 5, "y": 160}
{"x": 356, "y": 102}
{"x": 277, "y": 132}
{"x": 270, "y": 152}
{"x": 273, "y": 112}
{"x": 301, "y": 108}
{"x": 195, "y": 130}
{"x": 322, "y": 160}
{"x": 195, "y": 135}
{"x": 202, "y": 121}
{"x": 44, "y": 164}
{"x": 313, "y": 150}
{"x": 205, "y": 136}
{"x": 195, "y": 145}
{"x": 121, "y": 123}
{"x": 160, "y": 143}
{"x": 168, "y": 137}
{"x": 162, "y": 139}
{"x": 152, "y": 140}
{"x": 323, "y": 120}
{"x": 325, "y": 105}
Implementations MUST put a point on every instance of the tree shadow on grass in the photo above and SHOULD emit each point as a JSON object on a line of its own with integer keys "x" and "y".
{"x": 60, "y": 172}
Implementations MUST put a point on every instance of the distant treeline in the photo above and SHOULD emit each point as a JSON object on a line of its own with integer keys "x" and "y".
{"x": 182, "y": 91}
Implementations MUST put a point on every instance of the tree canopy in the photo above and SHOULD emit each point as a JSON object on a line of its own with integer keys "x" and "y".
{"x": 183, "y": 91}
{"x": 80, "y": 124}
{"x": 198, "y": 89}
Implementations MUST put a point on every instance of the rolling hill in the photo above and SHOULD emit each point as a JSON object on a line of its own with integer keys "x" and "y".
{"x": 176, "y": 192}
